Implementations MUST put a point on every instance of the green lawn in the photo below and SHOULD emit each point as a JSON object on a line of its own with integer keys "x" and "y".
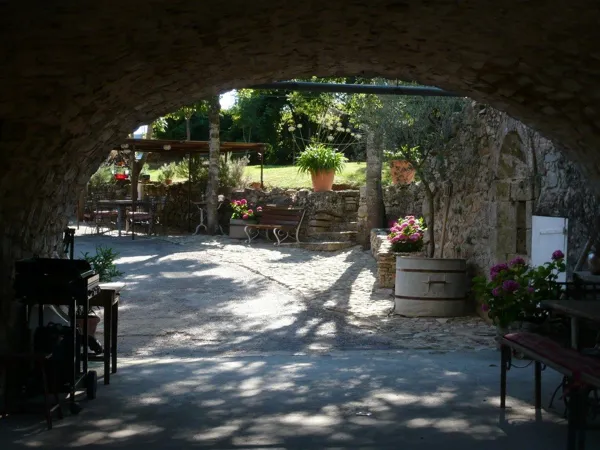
{"x": 288, "y": 176}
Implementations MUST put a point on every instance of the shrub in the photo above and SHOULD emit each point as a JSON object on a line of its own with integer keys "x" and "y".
{"x": 103, "y": 263}
{"x": 167, "y": 172}
{"x": 102, "y": 177}
{"x": 515, "y": 289}
{"x": 231, "y": 171}
{"x": 318, "y": 157}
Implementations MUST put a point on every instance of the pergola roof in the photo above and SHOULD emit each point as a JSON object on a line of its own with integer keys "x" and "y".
{"x": 158, "y": 146}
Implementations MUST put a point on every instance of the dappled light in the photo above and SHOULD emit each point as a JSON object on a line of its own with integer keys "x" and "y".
{"x": 425, "y": 401}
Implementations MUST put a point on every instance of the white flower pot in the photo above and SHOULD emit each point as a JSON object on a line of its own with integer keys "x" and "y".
{"x": 237, "y": 226}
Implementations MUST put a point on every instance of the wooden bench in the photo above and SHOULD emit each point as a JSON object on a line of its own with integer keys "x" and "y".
{"x": 582, "y": 372}
{"x": 283, "y": 222}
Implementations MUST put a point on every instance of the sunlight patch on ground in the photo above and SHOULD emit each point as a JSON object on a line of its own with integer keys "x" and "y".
{"x": 134, "y": 259}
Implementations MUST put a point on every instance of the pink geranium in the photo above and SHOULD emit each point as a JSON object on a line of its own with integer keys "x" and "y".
{"x": 245, "y": 216}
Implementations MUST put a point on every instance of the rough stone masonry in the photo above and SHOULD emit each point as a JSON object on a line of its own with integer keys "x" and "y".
{"x": 78, "y": 76}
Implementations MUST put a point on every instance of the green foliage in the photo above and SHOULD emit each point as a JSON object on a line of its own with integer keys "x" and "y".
{"x": 231, "y": 171}
{"x": 167, "y": 172}
{"x": 403, "y": 152}
{"x": 318, "y": 157}
{"x": 102, "y": 177}
{"x": 516, "y": 289}
{"x": 103, "y": 263}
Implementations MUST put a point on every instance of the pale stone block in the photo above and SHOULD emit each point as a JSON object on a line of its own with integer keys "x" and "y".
{"x": 521, "y": 191}
{"x": 506, "y": 215}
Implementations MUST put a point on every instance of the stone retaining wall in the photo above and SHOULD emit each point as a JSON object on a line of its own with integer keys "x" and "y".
{"x": 381, "y": 250}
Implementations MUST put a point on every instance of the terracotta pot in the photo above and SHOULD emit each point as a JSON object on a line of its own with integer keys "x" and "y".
{"x": 92, "y": 323}
{"x": 322, "y": 180}
{"x": 402, "y": 172}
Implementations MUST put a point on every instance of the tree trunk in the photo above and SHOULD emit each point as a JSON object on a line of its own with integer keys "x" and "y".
{"x": 188, "y": 131}
{"x": 374, "y": 192}
{"x": 430, "y": 219}
{"x": 214, "y": 108}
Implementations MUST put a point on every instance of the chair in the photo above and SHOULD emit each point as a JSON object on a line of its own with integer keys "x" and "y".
{"x": 103, "y": 215}
{"x": 142, "y": 214}
{"x": 160, "y": 212}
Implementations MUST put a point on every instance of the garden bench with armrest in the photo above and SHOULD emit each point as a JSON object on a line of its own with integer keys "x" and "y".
{"x": 283, "y": 222}
{"x": 582, "y": 371}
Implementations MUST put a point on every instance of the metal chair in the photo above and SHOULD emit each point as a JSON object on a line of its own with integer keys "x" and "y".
{"x": 103, "y": 216}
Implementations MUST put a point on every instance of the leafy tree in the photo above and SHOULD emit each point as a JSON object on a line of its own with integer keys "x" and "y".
{"x": 421, "y": 130}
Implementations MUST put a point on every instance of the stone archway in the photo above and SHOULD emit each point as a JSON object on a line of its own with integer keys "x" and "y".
{"x": 77, "y": 77}
{"x": 513, "y": 190}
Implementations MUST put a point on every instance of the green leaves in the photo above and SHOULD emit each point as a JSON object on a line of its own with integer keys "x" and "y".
{"x": 103, "y": 263}
{"x": 318, "y": 157}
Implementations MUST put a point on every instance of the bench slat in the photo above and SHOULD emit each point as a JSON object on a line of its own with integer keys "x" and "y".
{"x": 565, "y": 360}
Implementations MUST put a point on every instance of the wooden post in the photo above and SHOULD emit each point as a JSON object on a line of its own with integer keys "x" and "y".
{"x": 189, "y": 191}
{"x": 262, "y": 163}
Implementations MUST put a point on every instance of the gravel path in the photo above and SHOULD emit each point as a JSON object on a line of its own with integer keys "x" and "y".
{"x": 196, "y": 295}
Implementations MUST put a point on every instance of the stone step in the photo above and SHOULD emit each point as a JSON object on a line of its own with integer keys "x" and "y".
{"x": 333, "y": 236}
{"x": 345, "y": 226}
{"x": 330, "y": 246}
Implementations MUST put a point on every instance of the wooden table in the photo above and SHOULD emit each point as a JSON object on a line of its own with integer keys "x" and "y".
{"x": 121, "y": 205}
{"x": 108, "y": 299}
{"x": 575, "y": 309}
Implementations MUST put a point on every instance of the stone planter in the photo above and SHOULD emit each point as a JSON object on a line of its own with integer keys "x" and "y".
{"x": 322, "y": 180}
{"x": 236, "y": 228}
{"x": 430, "y": 287}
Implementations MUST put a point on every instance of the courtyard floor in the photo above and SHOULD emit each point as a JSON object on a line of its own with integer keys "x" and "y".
{"x": 192, "y": 296}
{"x": 228, "y": 346}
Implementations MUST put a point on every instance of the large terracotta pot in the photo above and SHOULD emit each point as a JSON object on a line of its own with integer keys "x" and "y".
{"x": 322, "y": 180}
{"x": 402, "y": 172}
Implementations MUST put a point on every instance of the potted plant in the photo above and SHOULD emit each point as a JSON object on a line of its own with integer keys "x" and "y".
{"x": 512, "y": 295}
{"x": 241, "y": 216}
{"x": 167, "y": 172}
{"x": 322, "y": 163}
{"x": 103, "y": 264}
{"x": 425, "y": 287}
{"x": 401, "y": 170}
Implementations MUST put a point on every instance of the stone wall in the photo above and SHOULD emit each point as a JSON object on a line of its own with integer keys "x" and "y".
{"x": 518, "y": 174}
{"x": 381, "y": 250}
{"x": 325, "y": 211}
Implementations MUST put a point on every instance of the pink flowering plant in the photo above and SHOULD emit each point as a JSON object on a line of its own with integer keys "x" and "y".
{"x": 515, "y": 289}
{"x": 243, "y": 210}
{"x": 406, "y": 235}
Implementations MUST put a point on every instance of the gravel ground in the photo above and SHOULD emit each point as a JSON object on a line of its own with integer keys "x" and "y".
{"x": 196, "y": 295}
